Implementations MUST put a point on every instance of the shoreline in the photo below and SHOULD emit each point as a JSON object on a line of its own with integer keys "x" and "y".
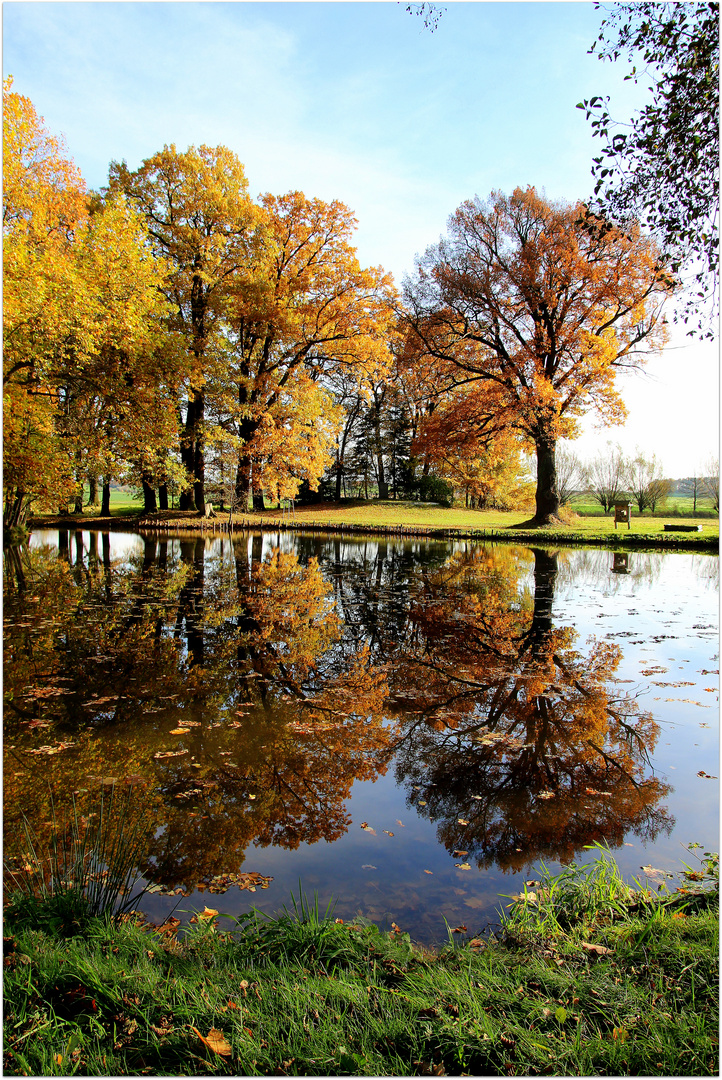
{"x": 168, "y": 524}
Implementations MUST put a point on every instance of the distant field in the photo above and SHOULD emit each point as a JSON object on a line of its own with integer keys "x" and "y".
{"x": 676, "y": 506}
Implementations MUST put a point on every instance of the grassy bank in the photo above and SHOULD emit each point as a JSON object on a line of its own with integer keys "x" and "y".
{"x": 585, "y": 977}
{"x": 423, "y": 519}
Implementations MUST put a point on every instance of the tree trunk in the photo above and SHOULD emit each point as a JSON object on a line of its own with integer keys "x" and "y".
{"x": 163, "y": 496}
{"x": 149, "y": 503}
{"x": 93, "y": 499}
{"x": 243, "y": 483}
{"x": 105, "y": 505}
{"x": 547, "y": 496}
{"x": 257, "y": 489}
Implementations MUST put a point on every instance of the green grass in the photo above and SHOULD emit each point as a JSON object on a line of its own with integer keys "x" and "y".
{"x": 616, "y": 983}
{"x": 415, "y": 517}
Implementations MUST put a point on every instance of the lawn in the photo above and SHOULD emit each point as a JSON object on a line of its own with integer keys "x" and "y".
{"x": 416, "y": 517}
{"x": 586, "y": 977}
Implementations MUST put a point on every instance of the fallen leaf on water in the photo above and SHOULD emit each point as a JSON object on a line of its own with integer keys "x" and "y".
{"x": 462, "y": 821}
{"x": 479, "y": 797}
{"x": 388, "y": 833}
{"x": 421, "y": 803}
{"x": 463, "y": 865}
{"x": 367, "y": 828}
{"x": 179, "y": 731}
{"x": 171, "y": 753}
{"x": 215, "y": 1041}
{"x": 428, "y": 871}
{"x": 400, "y": 823}
{"x": 546, "y": 795}
{"x": 653, "y": 870}
{"x": 460, "y": 854}
{"x": 207, "y": 913}
{"x": 458, "y": 929}
{"x": 368, "y": 866}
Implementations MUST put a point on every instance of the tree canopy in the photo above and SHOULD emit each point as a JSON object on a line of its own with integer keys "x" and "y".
{"x": 662, "y": 167}
{"x": 534, "y": 306}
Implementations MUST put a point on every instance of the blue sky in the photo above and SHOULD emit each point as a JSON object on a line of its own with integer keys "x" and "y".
{"x": 357, "y": 101}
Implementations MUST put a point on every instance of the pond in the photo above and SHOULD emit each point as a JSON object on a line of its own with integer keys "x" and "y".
{"x": 407, "y": 727}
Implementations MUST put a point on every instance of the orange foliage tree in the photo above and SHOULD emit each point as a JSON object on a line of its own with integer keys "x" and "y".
{"x": 538, "y": 305}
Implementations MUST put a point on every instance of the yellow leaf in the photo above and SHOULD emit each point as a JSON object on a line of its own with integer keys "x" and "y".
{"x": 215, "y": 1041}
{"x": 207, "y": 913}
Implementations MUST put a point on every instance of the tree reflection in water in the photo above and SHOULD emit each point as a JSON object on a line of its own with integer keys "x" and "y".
{"x": 250, "y": 693}
{"x": 513, "y": 730}
{"x": 241, "y": 654}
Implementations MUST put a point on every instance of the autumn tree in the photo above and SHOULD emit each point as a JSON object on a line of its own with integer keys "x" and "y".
{"x": 84, "y": 361}
{"x": 662, "y": 167}
{"x": 201, "y": 219}
{"x": 489, "y": 470}
{"x": 311, "y": 311}
{"x": 539, "y": 304}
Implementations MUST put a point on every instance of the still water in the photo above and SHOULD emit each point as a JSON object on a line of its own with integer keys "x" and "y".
{"x": 407, "y": 727}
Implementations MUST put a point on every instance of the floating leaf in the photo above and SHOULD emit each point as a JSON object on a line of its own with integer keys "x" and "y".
{"x": 179, "y": 731}
{"x": 367, "y": 828}
{"x": 171, "y": 753}
{"x": 458, "y": 854}
{"x": 207, "y": 913}
{"x": 428, "y": 871}
{"x": 368, "y": 866}
{"x": 462, "y": 821}
{"x": 463, "y": 865}
{"x": 458, "y": 929}
{"x": 388, "y": 833}
{"x": 421, "y": 802}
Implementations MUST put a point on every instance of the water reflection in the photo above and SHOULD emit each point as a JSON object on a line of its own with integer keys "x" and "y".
{"x": 519, "y": 746}
{"x": 250, "y": 684}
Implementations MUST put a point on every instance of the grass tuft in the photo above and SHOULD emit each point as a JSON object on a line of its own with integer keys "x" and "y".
{"x": 87, "y": 867}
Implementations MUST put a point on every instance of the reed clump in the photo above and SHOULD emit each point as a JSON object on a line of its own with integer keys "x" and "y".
{"x": 86, "y": 867}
